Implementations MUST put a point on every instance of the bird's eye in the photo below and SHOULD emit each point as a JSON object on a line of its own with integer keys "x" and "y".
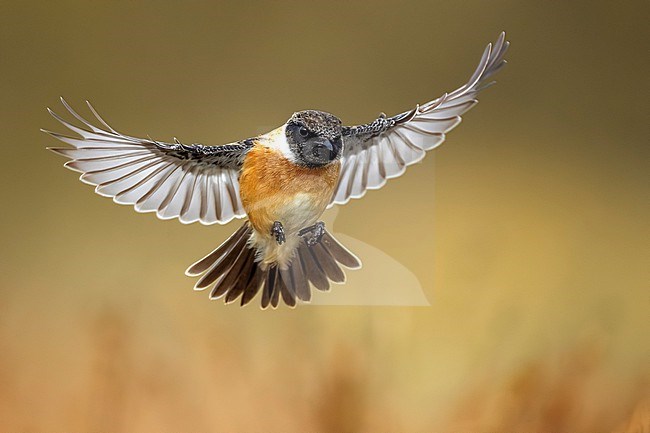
{"x": 304, "y": 132}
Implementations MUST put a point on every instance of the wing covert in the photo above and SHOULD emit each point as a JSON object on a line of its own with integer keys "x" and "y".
{"x": 189, "y": 182}
{"x": 381, "y": 150}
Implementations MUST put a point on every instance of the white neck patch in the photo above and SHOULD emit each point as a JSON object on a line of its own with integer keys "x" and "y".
{"x": 277, "y": 140}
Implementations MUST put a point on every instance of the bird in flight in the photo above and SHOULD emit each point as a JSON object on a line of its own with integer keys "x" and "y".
{"x": 281, "y": 182}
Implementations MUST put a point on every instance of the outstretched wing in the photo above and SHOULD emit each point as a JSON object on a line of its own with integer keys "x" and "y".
{"x": 381, "y": 150}
{"x": 189, "y": 182}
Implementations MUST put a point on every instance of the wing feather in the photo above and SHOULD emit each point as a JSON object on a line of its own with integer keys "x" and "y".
{"x": 382, "y": 149}
{"x": 98, "y": 164}
{"x": 132, "y": 194}
{"x": 374, "y": 176}
{"x": 153, "y": 198}
{"x": 189, "y": 182}
{"x": 176, "y": 205}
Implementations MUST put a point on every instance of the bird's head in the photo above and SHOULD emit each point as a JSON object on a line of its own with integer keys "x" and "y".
{"x": 314, "y": 138}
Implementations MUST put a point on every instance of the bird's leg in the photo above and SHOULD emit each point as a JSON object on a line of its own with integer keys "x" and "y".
{"x": 313, "y": 234}
{"x": 278, "y": 231}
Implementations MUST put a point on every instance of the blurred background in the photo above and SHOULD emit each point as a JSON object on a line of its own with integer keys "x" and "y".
{"x": 531, "y": 241}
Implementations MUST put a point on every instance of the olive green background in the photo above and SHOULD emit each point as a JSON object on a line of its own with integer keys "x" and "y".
{"x": 530, "y": 238}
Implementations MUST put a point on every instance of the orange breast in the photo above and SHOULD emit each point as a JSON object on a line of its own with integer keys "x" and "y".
{"x": 273, "y": 188}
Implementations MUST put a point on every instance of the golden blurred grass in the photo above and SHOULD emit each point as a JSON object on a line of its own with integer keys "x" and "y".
{"x": 533, "y": 251}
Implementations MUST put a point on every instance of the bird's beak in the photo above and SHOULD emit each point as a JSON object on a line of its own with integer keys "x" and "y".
{"x": 326, "y": 149}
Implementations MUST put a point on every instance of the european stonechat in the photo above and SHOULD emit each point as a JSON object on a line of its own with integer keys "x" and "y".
{"x": 281, "y": 182}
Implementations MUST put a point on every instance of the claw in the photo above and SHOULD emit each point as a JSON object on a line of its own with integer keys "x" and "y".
{"x": 278, "y": 231}
{"x": 313, "y": 234}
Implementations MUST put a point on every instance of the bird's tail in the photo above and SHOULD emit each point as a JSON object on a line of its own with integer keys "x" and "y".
{"x": 233, "y": 271}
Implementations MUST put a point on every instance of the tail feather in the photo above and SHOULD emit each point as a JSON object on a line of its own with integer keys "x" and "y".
{"x": 277, "y": 288}
{"x": 230, "y": 278}
{"x": 243, "y": 280}
{"x": 287, "y": 289}
{"x": 269, "y": 286}
{"x": 327, "y": 263}
{"x": 254, "y": 285}
{"x": 224, "y": 262}
{"x": 206, "y": 262}
{"x": 233, "y": 271}
{"x": 339, "y": 252}
{"x": 312, "y": 270}
{"x": 299, "y": 281}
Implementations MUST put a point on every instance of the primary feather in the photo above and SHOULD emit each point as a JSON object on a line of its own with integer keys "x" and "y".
{"x": 188, "y": 182}
{"x": 382, "y": 149}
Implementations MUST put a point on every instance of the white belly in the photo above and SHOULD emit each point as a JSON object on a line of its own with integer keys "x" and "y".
{"x": 302, "y": 211}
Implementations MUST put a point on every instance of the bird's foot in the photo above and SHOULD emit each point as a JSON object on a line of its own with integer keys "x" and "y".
{"x": 313, "y": 234}
{"x": 278, "y": 231}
